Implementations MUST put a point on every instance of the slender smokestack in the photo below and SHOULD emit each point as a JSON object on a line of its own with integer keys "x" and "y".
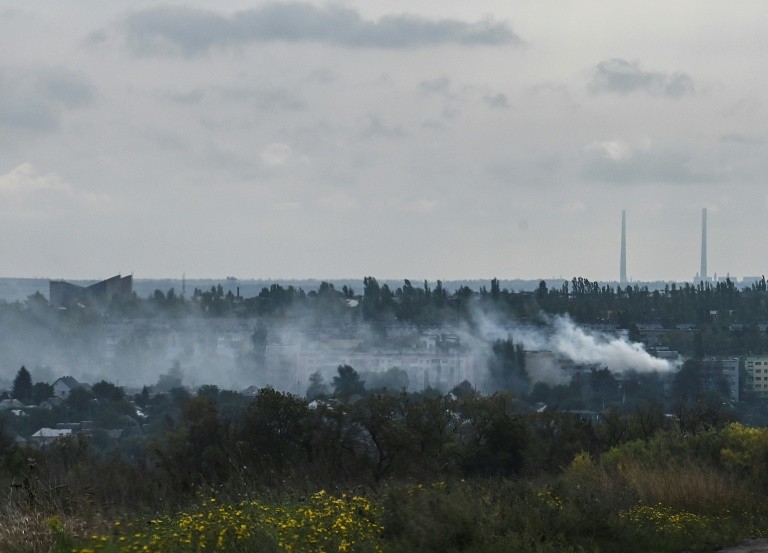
{"x": 623, "y": 264}
{"x": 703, "y": 273}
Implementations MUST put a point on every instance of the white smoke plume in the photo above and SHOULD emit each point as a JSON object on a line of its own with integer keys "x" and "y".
{"x": 558, "y": 339}
{"x": 616, "y": 353}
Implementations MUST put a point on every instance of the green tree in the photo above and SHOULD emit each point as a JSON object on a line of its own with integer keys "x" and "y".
{"x": 80, "y": 401}
{"x": 259, "y": 342}
{"x": 383, "y": 419}
{"x": 497, "y": 437}
{"x": 209, "y": 391}
{"x": 507, "y": 367}
{"x": 347, "y": 383}
{"x": 22, "y": 386}
{"x": 276, "y": 431}
{"x": 142, "y": 398}
{"x": 106, "y": 391}
{"x": 205, "y": 437}
{"x": 317, "y": 388}
{"x": 41, "y": 391}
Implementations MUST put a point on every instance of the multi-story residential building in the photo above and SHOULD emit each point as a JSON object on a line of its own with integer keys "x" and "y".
{"x": 756, "y": 377}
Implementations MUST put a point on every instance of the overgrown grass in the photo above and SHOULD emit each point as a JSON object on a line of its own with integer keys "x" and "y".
{"x": 571, "y": 513}
{"x": 664, "y": 495}
{"x": 321, "y": 523}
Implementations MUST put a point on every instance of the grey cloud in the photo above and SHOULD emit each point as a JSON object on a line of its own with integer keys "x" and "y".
{"x": 441, "y": 85}
{"x": 651, "y": 166}
{"x": 33, "y": 99}
{"x": 376, "y": 128}
{"x": 618, "y": 76}
{"x": 433, "y": 125}
{"x": 172, "y": 30}
{"x": 69, "y": 89}
{"x": 29, "y": 115}
{"x": 499, "y": 101}
{"x": 451, "y": 112}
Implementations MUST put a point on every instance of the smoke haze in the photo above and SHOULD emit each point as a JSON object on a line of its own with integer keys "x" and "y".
{"x": 616, "y": 353}
{"x": 225, "y": 352}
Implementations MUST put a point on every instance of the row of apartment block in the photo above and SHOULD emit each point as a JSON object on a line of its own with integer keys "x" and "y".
{"x": 756, "y": 376}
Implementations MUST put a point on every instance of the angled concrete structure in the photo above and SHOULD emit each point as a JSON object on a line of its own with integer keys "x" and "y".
{"x": 66, "y": 294}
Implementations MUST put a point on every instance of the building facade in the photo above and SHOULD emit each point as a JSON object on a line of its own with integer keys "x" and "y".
{"x": 756, "y": 376}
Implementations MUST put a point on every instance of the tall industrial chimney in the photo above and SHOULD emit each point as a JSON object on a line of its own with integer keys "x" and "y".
{"x": 623, "y": 264}
{"x": 703, "y": 273}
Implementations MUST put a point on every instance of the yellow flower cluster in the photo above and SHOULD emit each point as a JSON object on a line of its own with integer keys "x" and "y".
{"x": 323, "y": 524}
{"x": 328, "y": 524}
{"x": 664, "y": 521}
{"x": 548, "y": 498}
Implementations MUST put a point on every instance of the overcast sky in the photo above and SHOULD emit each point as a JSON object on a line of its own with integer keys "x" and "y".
{"x": 434, "y": 139}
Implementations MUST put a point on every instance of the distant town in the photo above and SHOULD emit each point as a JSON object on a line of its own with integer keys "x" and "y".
{"x": 706, "y": 338}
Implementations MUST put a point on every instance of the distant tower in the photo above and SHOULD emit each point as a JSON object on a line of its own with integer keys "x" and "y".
{"x": 703, "y": 273}
{"x": 623, "y": 264}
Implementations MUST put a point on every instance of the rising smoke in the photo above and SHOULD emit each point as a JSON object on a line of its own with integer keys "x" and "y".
{"x": 557, "y": 340}
{"x": 616, "y": 353}
{"x": 144, "y": 349}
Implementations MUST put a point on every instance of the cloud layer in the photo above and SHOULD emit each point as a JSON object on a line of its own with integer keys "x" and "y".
{"x": 340, "y": 139}
{"x": 34, "y": 98}
{"x": 618, "y": 76}
{"x": 187, "y": 31}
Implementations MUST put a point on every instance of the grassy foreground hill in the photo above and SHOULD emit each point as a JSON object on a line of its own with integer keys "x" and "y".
{"x": 672, "y": 492}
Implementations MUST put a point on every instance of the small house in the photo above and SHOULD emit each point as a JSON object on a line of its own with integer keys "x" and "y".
{"x": 45, "y": 436}
{"x": 64, "y": 385}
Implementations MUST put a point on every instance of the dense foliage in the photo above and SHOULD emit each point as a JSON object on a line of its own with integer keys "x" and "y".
{"x": 640, "y": 463}
{"x": 391, "y": 472}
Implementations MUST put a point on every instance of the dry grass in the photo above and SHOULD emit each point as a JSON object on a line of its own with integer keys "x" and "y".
{"x": 691, "y": 487}
{"x": 38, "y": 517}
{"x": 40, "y": 533}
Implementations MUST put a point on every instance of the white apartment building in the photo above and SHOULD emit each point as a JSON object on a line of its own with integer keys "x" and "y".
{"x": 756, "y": 378}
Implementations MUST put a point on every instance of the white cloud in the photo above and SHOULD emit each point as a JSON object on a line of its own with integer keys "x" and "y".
{"x": 279, "y": 154}
{"x": 24, "y": 180}
{"x": 27, "y": 194}
{"x": 611, "y": 149}
{"x": 619, "y": 162}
